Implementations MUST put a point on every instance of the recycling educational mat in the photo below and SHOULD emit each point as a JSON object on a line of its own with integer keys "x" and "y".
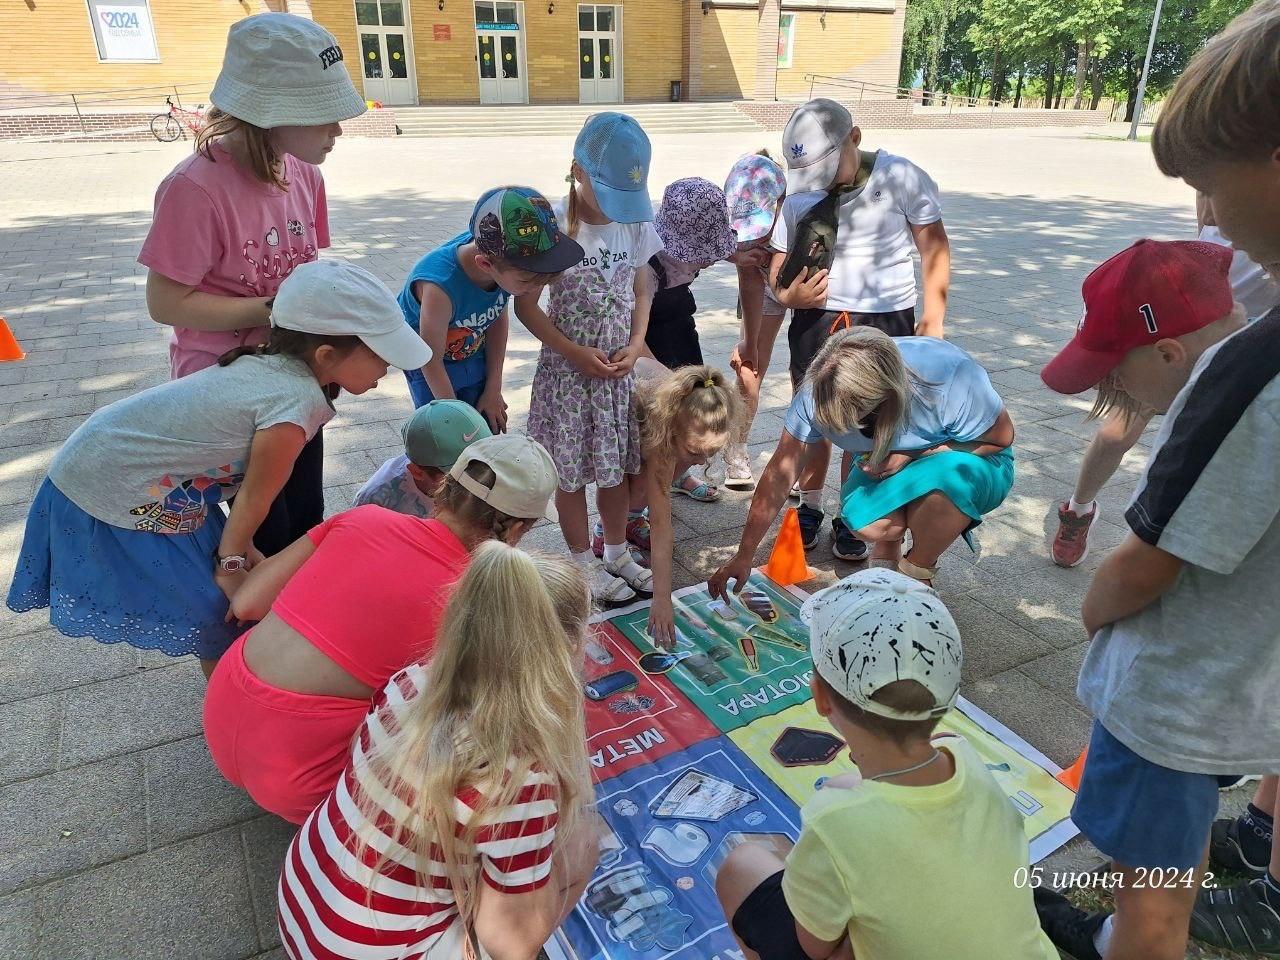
{"x": 714, "y": 744}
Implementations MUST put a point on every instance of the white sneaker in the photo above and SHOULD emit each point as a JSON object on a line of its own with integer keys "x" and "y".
{"x": 606, "y": 589}
{"x": 737, "y": 468}
{"x": 636, "y": 577}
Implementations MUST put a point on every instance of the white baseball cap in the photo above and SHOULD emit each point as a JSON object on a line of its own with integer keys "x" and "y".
{"x": 525, "y": 477}
{"x": 282, "y": 70}
{"x": 812, "y": 144}
{"x": 335, "y": 299}
{"x": 878, "y": 626}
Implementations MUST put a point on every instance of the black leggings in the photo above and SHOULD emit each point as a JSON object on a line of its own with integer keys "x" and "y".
{"x": 300, "y": 505}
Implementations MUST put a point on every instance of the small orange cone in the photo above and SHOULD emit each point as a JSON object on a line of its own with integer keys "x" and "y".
{"x": 9, "y": 349}
{"x": 786, "y": 564}
{"x": 1070, "y": 777}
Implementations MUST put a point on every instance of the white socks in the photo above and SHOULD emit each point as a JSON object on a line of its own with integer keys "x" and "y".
{"x": 614, "y": 551}
{"x": 583, "y": 558}
{"x": 812, "y": 498}
{"x": 1102, "y": 938}
{"x": 1080, "y": 509}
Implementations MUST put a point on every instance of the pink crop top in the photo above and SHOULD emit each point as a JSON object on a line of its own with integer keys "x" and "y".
{"x": 371, "y": 596}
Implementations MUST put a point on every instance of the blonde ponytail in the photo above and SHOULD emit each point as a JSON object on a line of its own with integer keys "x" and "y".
{"x": 503, "y": 696}
{"x": 857, "y": 376}
{"x": 571, "y": 216}
{"x": 696, "y": 399}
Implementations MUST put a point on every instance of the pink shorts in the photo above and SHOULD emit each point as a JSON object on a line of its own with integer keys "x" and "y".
{"x": 285, "y": 749}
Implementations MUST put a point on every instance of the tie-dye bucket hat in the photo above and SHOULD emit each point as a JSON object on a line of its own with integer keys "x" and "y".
{"x": 753, "y": 189}
{"x": 693, "y": 222}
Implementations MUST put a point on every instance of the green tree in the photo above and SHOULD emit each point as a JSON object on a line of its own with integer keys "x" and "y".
{"x": 1048, "y": 45}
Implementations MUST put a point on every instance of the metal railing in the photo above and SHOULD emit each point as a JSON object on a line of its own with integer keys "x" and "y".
{"x": 925, "y": 98}
{"x": 82, "y": 101}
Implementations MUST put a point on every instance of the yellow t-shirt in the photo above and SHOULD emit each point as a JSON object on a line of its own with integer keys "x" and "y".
{"x": 915, "y": 873}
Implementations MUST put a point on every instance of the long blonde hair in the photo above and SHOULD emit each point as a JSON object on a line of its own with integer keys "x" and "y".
{"x": 502, "y": 698}
{"x": 692, "y": 399}
{"x": 571, "y": 215}
{"x": 264, "y": 163}
{"x": 857, "y": 373}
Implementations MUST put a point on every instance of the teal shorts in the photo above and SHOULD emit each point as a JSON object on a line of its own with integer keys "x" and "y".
{"x": 976, "y": 485}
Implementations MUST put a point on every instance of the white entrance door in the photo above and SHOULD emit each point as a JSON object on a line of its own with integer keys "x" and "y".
{"x": 500, "y": 51}
{"x": 599, "y": 54}
{"x": 386, "y": 51}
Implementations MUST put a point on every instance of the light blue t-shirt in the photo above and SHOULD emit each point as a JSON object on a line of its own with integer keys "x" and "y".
{"x": 954, "y": 400}
{"x": 474, "y": 310}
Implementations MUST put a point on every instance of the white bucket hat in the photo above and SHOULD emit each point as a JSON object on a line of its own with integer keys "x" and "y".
{"x": 877, "y": 626}
{"x": 335, "y": 299}
{"x": 282, "y": 70}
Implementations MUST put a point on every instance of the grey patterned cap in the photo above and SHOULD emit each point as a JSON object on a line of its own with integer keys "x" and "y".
{"x": 877, "y": 626}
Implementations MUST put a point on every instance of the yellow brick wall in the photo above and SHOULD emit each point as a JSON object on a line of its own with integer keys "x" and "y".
{"x": 852, "y": 44}
{"x": 650, "y": 48}
{"x": 551, "y": 51}
{"x": 728, "y": 54}
{"x": 47, "y": 45}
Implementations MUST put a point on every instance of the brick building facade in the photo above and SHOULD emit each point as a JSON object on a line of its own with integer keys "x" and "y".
{"x": 472, "y": 51}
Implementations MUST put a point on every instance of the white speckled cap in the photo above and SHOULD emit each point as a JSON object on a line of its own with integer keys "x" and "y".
{"x": 878, "y": 626}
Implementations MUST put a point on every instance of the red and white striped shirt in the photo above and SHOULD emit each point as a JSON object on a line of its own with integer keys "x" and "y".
{"x": 326, "y": 910}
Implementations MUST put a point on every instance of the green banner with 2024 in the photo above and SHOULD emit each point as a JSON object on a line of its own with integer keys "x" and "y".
{"x": 736, "y": 661}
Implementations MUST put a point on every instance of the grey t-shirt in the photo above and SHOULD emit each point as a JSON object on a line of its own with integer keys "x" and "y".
{"x": 1190, "y": 681}
{"x": 158, "y": 460}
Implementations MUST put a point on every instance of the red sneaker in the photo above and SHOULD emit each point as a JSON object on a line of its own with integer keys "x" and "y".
{"x": 1071, "y": 543}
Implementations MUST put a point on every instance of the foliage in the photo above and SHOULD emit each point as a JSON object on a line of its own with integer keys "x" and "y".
{"x": 1003, "y": 48}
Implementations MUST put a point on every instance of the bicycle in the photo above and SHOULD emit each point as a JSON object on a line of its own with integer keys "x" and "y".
{"x": 168, "y": 127}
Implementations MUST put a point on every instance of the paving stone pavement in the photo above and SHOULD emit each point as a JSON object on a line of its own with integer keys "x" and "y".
{"x": 117, "y": 837}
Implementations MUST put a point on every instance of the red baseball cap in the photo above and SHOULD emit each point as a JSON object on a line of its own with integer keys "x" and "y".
{"x": 1150, "y": 292}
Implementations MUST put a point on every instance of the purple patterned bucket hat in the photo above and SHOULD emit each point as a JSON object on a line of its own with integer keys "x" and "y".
{"x": 693, "y": 222}
{"x": 753, "y": 189}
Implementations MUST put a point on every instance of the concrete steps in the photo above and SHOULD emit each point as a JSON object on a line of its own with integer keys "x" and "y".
{"x": 566, "y": 120}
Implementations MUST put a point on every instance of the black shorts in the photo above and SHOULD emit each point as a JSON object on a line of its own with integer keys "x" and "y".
{"x": 810, "y": 329}
{"x": 765, "y": 924}
{"x": 672, "y": 335}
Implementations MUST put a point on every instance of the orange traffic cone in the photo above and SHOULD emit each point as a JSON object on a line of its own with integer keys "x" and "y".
{"x": 1070, "y": 777}
{"x": 9, "y": 349}
{"x": 786, "y": 563}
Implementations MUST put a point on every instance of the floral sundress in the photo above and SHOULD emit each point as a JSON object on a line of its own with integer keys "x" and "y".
{"x": 585, "y": 422}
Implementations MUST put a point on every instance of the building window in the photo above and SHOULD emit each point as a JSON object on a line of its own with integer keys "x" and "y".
{"x": 489, "y": 13}
{"x": 123, "y": 31}
{"x": 786, "y": 39}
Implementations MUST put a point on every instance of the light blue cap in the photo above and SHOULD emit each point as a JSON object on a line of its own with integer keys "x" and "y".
{"x": 614, "y": 153}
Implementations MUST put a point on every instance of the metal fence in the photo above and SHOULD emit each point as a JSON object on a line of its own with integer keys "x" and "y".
{"x": 849, "y": 89}
{"x": 119, "y": 100}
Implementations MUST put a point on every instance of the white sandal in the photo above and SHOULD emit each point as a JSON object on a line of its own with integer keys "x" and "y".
{"x": 607, "y": 589}
{"x": 635, "y": 576}
{"x": 924, "y": 574}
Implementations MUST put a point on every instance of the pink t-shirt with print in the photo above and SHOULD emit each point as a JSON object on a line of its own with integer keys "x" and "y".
{"x": 219, "y": 229}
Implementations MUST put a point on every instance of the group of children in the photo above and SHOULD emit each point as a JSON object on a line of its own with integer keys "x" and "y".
{"x": 424, "y": 723}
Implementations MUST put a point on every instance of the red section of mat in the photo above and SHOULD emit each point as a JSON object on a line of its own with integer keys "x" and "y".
{"x": 633, "y": 718}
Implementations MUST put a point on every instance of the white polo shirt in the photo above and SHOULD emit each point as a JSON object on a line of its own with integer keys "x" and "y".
{"x": 872, "y": 271}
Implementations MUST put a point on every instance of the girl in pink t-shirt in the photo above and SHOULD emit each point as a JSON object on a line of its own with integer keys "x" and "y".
{"x": 344, "y": 609}
{"x": 235, "y": 218}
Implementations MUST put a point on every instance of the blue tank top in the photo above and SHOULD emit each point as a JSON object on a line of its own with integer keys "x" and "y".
{"x": 474, "y": 310}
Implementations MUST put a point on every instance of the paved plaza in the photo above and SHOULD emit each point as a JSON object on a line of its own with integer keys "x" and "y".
{"x": 118, "y": 839}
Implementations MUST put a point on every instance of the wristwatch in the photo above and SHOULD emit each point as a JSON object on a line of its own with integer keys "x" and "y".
{"x": 232, "y": 564}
